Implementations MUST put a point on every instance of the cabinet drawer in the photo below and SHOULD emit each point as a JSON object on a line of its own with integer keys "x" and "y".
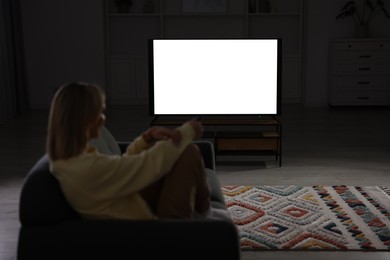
{"x": 361, "y": 97}
{"x": 369, "y": 82}
{"x": 362, "y": 67}
{"x": 254, "y": 144}
{"x": 361, "y": 45}
{"x": 361, "y": 55}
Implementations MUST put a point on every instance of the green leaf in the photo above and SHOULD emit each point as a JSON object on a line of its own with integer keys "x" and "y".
{"x": 347, "y": 10}
{"x": 369, "y": 4}
{"x": 348, "y": 4}
{"x": 382, "y": 6}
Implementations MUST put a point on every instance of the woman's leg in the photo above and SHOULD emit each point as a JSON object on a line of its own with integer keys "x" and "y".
{"x": 183, "y": 191}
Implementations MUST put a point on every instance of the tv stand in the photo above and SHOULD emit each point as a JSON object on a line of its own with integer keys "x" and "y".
{"x": 258, "y": 136}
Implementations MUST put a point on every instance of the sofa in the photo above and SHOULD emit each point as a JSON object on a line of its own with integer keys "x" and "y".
{"x": 51, "y": 229}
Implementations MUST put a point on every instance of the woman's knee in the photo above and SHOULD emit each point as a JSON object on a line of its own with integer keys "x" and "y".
{"x": 192, "y": 152}
{"x": 192, "y": 149}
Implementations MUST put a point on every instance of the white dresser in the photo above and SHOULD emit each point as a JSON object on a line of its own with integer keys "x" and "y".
{"x": 359, "y": 72}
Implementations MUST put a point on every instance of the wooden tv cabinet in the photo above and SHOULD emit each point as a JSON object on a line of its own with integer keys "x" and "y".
{"x": 259, "y": 136}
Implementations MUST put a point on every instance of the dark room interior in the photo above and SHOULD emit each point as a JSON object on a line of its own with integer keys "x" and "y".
{"x": 334, "y": 120}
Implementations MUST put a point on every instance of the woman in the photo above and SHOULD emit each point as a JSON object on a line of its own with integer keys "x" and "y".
{"x": 161, "y": 174}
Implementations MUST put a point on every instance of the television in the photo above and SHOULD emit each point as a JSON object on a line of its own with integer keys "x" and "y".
{"x": 216, "y": 77}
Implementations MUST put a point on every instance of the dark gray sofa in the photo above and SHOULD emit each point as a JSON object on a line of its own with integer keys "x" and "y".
{"x": 51, "y": 229}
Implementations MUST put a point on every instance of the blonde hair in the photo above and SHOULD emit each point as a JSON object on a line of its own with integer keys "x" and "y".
{"x": 74, "y": 108}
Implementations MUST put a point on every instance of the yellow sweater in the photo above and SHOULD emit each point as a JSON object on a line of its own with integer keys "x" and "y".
{"x": 100, "y": 186}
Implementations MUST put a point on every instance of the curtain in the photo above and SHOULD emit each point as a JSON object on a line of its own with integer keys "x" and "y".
{"x": 13, "y": 89}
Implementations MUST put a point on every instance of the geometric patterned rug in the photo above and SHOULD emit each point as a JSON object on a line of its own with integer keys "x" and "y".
{"x": 311, "y": 217}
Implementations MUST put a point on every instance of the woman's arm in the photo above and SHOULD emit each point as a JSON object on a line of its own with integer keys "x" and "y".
{"x": 157, "y": 133}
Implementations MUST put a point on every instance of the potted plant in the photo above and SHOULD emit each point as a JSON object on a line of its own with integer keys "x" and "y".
{"x": 123, "y": 5}
{"x": 362, "y": 13}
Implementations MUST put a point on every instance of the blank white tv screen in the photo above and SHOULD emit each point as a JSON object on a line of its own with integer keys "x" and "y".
{"x": 214, "y": 76}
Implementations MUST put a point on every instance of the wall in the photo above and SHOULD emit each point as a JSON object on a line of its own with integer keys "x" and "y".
{"x": 321, "y": 26}
{"x": 64, "y": 41}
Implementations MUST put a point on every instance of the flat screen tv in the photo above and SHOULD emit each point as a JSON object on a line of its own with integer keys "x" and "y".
{"x": 219, "y": 77}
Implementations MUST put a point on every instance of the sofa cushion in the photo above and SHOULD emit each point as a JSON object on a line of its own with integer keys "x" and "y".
{"x": 217, "y": 198}
{"x": 106, "y": 143}
{"x": 41, "y": 199}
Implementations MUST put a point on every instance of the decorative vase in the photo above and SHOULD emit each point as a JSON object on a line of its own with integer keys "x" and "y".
{"x": 362, "y": 31}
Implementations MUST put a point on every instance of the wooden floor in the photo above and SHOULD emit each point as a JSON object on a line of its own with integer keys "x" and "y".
{"x": 320, "y": 145}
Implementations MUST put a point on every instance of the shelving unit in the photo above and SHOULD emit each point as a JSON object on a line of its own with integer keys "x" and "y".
{"x": 126, "y": 37}
{"x": 240, "y": 136}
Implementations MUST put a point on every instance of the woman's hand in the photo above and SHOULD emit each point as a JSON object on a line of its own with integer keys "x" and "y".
{"x": 157, "y": 133}
{"x": 198, "y": 128}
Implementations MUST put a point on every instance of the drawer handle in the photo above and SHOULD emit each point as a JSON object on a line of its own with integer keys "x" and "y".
{"x": 363, "y": 82}
{"x": 364, "y": 68}
{"x": 364, "y": 56}
{"x": 363, "y": 98}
